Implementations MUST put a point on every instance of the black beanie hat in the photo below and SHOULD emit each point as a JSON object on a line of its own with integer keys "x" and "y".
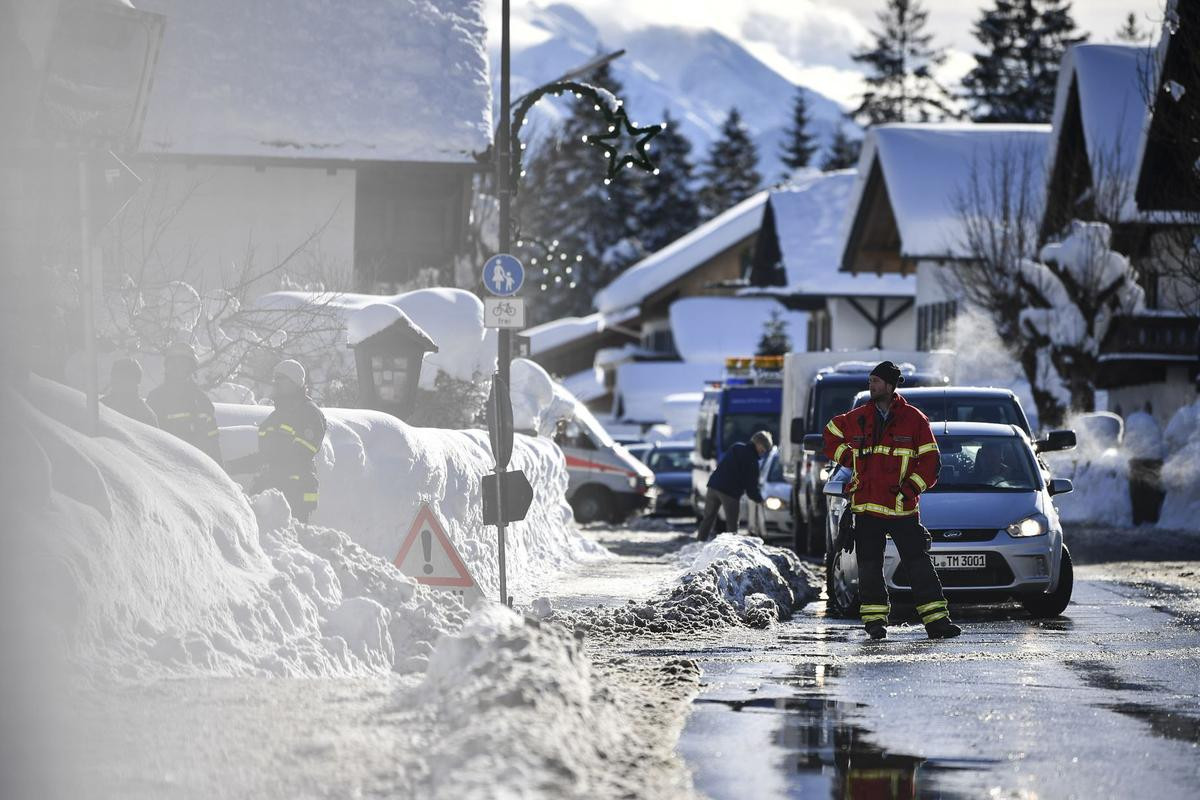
{"x": 888, "y": 373}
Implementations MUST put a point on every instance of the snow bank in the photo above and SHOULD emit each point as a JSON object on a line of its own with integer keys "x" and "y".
{"x": 707, "y": 330}
{"x": 1181, "y": 471}
{"x": 376, "y": 471}
{"x": 1100, "y": 474}
{"x": 538, "y": 401}
{"x": 732, "y": 580}
{"x": 160, "y": 566}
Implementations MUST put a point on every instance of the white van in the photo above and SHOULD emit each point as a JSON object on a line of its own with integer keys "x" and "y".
{"x": 606, "y": 481}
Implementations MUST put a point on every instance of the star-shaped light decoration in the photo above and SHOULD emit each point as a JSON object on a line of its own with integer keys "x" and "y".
{"x": 619, "y": 127}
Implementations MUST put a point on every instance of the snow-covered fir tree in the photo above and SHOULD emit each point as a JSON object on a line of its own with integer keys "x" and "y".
{"x": 1130, "y": 31}
{"x": 799, "y": 144}
{"x": 669, "y": 206}
{"x": 775, "y": 340}
{"x": 565, "y": 209}
{"x": 1015, "y": 76}
{"x": 900, "y": 82}
{"x": 843, "y": 152}
{"x": 729, "y": 172}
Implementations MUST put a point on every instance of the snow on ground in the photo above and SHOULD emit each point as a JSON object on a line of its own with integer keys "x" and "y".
{"x": 730, "y": 581}
{"x": 376, "y": 471}
{"x": 1181, "y": 471}
{"x": 160, "y": 564}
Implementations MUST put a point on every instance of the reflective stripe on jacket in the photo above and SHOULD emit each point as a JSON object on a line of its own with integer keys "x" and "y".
{"x": 902, "y": 452}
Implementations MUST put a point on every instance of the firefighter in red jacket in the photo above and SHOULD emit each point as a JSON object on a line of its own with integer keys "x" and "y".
{"x": 894, "y": 457}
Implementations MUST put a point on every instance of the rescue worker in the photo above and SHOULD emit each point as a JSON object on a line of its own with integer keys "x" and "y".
{"x": 182, "y": 407}
{"x": 736, "y": 474}
{"x": 890, "y": 448}
{"x": 289, "y": 440}
{"x": 124, "y": 383}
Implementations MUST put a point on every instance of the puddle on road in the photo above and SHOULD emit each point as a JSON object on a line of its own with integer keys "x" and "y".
{"x": 1163, "y": 722}
{"x": 816, "y": 746}
{"x": 1099, "y": 675}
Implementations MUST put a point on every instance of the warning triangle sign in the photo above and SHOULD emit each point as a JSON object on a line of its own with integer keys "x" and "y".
{"x": 428, "y": 556}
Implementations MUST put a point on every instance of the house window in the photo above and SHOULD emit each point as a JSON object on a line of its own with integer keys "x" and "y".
{"x": 933, "y": 324}
{"x": 820, "y": 330}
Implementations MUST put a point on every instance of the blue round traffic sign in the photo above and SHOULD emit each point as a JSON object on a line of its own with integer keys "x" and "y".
{"x": 503, "y": 275}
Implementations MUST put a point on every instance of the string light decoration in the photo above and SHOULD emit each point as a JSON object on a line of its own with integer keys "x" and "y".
{"x": 609, "y": 141}
{"x": 547, "y": 265}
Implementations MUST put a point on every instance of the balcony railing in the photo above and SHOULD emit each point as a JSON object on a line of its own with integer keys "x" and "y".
{"x": 1154, "y": 335}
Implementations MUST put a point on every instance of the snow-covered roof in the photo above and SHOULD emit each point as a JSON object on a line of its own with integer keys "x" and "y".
{"x": 810, "y": 224}
{"x": 559, "y": 332}
{"x": 707, "y": 330}
{"x": 926, "y": 168}
{"x": 380, "y": 80}
{"x": 1110, "y": 79}
{"x": 683, "y": 255}
{"x": 643, "y": 385}
{"x": 586, "y": 385}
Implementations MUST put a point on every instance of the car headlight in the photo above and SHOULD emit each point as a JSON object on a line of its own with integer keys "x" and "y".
{"x": 1036, "y": 525}
{"x": 773, "y": 504}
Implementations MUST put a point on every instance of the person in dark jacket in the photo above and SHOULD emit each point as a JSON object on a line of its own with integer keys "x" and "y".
{"x": 182, "y": 407}
{"x": 736, "y": 474}
{"x": 124, "y": 396}
{"x": 288, "y": 442}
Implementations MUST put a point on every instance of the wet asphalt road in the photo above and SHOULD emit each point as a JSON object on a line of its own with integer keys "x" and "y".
{"x": 1104, "y": 702}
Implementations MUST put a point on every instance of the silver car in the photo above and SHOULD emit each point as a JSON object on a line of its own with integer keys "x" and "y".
{"x": 772, "y": 518}
{"x": 996, "y": 533}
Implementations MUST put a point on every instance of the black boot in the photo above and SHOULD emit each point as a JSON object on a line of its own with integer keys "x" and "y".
{"x": 942, "y": 629}
{"x": 876, "y": 630}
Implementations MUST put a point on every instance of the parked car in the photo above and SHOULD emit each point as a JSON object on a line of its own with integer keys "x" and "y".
{"x": 772, "y": 518}
{"x": 996, "y": 531}
{"x": 605, "y": 481}
{"x": 671, "y": 463}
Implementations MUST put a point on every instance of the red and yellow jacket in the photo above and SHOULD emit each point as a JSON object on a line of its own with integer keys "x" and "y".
{"x": 892, "y": 466}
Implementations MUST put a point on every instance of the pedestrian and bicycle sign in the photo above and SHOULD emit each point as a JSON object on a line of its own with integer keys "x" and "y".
{"x": 504, "y": 312}
{"x": 503, "y": 275}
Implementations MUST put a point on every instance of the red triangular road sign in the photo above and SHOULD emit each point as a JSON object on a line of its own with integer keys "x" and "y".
{"x": 428, "y": 556}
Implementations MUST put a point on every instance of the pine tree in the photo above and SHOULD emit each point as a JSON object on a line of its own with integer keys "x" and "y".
{"x": 1015, "y": 78}
{"x": 730, "y": 172}
{"x": 901, "y": 86}
{"x": 799, "y": 145}
{"x": 1130, "y": 32}
{"x": 775, "y": 339}
{"x": 563, "y": 198}
{"x": 668, "y": 207}
{"x": 843, "y": 152}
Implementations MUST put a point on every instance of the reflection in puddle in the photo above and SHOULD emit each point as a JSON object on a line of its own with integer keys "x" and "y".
{"x": 825, "y": 749}
{"x": 1163, "y": 722}
{"x": 1099, "y": 675}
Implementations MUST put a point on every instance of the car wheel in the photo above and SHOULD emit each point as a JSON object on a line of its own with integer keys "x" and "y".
{"x": 592, "y": 503}
{"x": 842, "y": 601}
{"x": 1045, "y": 605}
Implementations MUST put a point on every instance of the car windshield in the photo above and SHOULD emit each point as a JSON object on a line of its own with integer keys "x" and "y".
{"x": 951, "y": 408}
{"x": 672, "y": 460}
{"x": 740, "y": 427}
{"x": 835, "y": 400}
{"x": 985, "y": 464}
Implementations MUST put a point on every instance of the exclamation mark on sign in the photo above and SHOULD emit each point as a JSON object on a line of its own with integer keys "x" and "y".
{"x": 427, "y": 546}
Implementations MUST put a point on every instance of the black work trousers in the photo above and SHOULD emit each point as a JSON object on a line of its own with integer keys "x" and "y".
{"x": 913, "y": 542}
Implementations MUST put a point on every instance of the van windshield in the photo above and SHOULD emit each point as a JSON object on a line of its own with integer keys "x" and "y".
{"x": 985, "y": 464}
{"x": 740, "y": 427}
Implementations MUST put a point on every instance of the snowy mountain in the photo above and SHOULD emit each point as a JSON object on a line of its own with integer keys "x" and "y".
{"x": 697, "y": 74}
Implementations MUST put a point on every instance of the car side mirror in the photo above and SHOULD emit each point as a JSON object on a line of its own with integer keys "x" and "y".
{"x": 814, "y": 442}
{"x": 797, "y": 432}
{"x": 1060, "y": 486}
{"x": 1055, "y": 441}
{"x": 706, "y": 449}
{"x": 834, "y": 487}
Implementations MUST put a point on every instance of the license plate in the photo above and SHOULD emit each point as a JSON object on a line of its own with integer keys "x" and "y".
{"x": 960, "y": 561}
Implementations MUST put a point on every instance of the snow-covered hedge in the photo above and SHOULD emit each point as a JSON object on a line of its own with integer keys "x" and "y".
{"x": 1181, "y": 471}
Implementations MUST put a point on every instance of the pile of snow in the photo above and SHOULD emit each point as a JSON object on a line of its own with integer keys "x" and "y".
{"x": 155, "y": 563}
{"x": 732, "y": 580}
{"x": 538, "y": 401}
{"x": 707, "y": 330}
{"x": 1099, "y": 471}
{"x": 641, "y": 387}
{"x": 517, "y": 704}
{"x": 452, "y": 318}
{"x": 1181, "y": 471}
{"x": 375, "y": 472}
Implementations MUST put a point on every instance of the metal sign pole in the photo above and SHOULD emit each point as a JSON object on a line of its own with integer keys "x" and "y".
{"x": 504, "y": 346}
